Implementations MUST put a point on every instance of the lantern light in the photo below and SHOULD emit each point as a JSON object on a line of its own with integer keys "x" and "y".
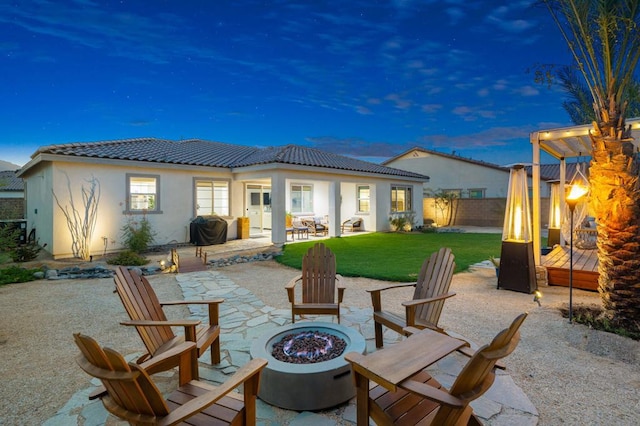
{"x": 517, "y": 267}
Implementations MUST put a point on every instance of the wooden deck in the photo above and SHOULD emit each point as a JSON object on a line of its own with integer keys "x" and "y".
{"x": 585, "y": 267}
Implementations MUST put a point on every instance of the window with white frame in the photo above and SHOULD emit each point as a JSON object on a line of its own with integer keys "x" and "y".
{"x": 400, "y": 198}
{"x": 363, "y": 198}
{"x": 143, "y": 193}
{"x": 301, "y": 198}
{"x": 212, "y": 197}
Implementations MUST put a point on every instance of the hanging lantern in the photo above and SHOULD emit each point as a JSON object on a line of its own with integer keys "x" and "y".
{"x": 517, "y": 267}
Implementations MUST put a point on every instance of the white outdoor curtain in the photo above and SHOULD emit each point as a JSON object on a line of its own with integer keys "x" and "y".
{"x": 555, "y": 212}
{"x": 517, "y": 218}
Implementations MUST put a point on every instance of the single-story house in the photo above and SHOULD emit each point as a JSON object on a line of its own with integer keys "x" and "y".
{"x": 172, "y": 182}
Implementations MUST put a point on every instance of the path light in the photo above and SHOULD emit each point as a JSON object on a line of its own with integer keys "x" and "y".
{"x": 575, "y": 195}
{"x": 517, "y": 267}
{"x": 555, "y": 215}
{"x": 537, "y": 295}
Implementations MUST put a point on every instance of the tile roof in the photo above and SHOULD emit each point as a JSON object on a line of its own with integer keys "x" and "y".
{"x": 452, "y": 156}
{"x": 9, "y": 181}
{"x": 304, "y": 156}
{"x": 216, "y": 154}
{"x": 192, "y": 152}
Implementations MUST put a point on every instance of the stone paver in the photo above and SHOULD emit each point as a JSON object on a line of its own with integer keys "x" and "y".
{"x": 244, "y": 317}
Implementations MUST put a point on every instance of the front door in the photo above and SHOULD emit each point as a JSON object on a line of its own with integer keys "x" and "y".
{"x": 259, "y": 208}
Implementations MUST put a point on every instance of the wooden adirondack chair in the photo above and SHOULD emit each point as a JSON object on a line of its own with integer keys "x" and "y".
{"x": 319, "y": 282}
{"x": 132, "y": 396}
{"x": 420, "y": 399}
{"x": 431, "y": 290}
{"x": 146, "y": 314}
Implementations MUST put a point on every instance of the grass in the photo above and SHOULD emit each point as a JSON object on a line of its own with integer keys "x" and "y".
{"x": 397, "y": 256}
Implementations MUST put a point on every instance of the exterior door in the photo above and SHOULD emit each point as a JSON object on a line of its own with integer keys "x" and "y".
{"x": 259, "y": 208}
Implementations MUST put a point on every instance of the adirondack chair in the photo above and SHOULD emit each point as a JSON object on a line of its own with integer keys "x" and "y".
{"x": 147, "y": 316}
{"x": 431, "y": 290}
{"x": 318, "y": 284}
{"x": 420, "y": 399}
{"x": 132, "y": 396}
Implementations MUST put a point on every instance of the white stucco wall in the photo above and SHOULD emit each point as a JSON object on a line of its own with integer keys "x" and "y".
{"x": 334, "y": 195}
{"x": 449, "y": 173}
{"x": 171, "y": 224}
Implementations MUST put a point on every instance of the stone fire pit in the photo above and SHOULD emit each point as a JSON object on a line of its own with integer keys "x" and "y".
{"x": 303, "y": 387}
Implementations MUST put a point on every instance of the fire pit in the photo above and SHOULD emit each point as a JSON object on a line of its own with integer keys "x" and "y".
{"x": 307, "y": 371}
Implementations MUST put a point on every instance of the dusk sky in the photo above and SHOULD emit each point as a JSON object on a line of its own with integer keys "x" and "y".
{"x": 365, "y": 78}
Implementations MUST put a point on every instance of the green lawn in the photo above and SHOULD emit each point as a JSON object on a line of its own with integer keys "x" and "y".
{"x": 397, "y": 256}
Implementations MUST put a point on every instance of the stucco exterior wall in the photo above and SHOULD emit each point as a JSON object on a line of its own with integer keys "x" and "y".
{"x": 66, "y": 180}
{"x": 450, "y": 173}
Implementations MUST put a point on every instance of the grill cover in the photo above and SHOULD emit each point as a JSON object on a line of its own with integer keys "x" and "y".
{"x": 208, "y": 230}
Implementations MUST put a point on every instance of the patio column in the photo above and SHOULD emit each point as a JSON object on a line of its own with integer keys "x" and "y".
{"x": 535, "y": 171}
{"x": 335, "y": 201}
{"x": 278, "y": 208}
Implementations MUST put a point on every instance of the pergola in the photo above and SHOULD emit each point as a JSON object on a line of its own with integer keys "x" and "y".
{"x": 563, "y": 143}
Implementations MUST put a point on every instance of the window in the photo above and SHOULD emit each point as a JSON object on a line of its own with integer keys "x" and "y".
{"x": 301, "y": 198}
{"x": 143, "y": 193}
{"x": 364, "y": 196}
{"x": 455, "y": 193}
{"x": 212, "y": 198}
{"x": 400, "y": 198}
{"x": 476, "y": 193}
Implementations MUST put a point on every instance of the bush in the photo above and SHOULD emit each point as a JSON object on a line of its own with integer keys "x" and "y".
{"x": 402, "y": 222}
{"x": 26, "y": 252}
{"x": 10, "y": 243}
{"x": 596, "y": 318}
{"x": 9, "y": 238}
{"x": 128, "y": 258}
{"x": 138, "y": 235}
{"x": 15, "y": 274}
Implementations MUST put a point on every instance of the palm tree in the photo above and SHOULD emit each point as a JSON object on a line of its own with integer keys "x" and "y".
{"x": 604, "y": 39}
{"x": 579, "y": 105}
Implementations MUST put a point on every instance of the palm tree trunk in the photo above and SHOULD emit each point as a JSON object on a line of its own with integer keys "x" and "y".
{"x": 615, "y": 198}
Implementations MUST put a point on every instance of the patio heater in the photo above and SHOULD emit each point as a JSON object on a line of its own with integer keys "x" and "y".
{"x": 555, "y": 215}
{"x": 517, "y": 267}
{"x": 577, "y": 192}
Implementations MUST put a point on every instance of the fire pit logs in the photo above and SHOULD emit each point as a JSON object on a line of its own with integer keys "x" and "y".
{"x": 308, "y": 347}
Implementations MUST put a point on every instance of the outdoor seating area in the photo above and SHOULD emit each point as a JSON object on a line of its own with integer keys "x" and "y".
{"x": 128, "y": 392}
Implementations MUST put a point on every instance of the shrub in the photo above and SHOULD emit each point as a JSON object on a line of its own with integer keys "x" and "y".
{"x": 138, "y": 235}
{"x": 15, "y": 274}
{"x": 9, "y": 238}
{"x": 128, "y": 258}
{"x": 402, "y": 221}
{"x": 10, "y": 243}
{"x": 25, "y": 252}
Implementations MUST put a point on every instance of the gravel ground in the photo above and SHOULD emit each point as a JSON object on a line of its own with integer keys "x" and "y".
{"x": 572, "y": 374}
